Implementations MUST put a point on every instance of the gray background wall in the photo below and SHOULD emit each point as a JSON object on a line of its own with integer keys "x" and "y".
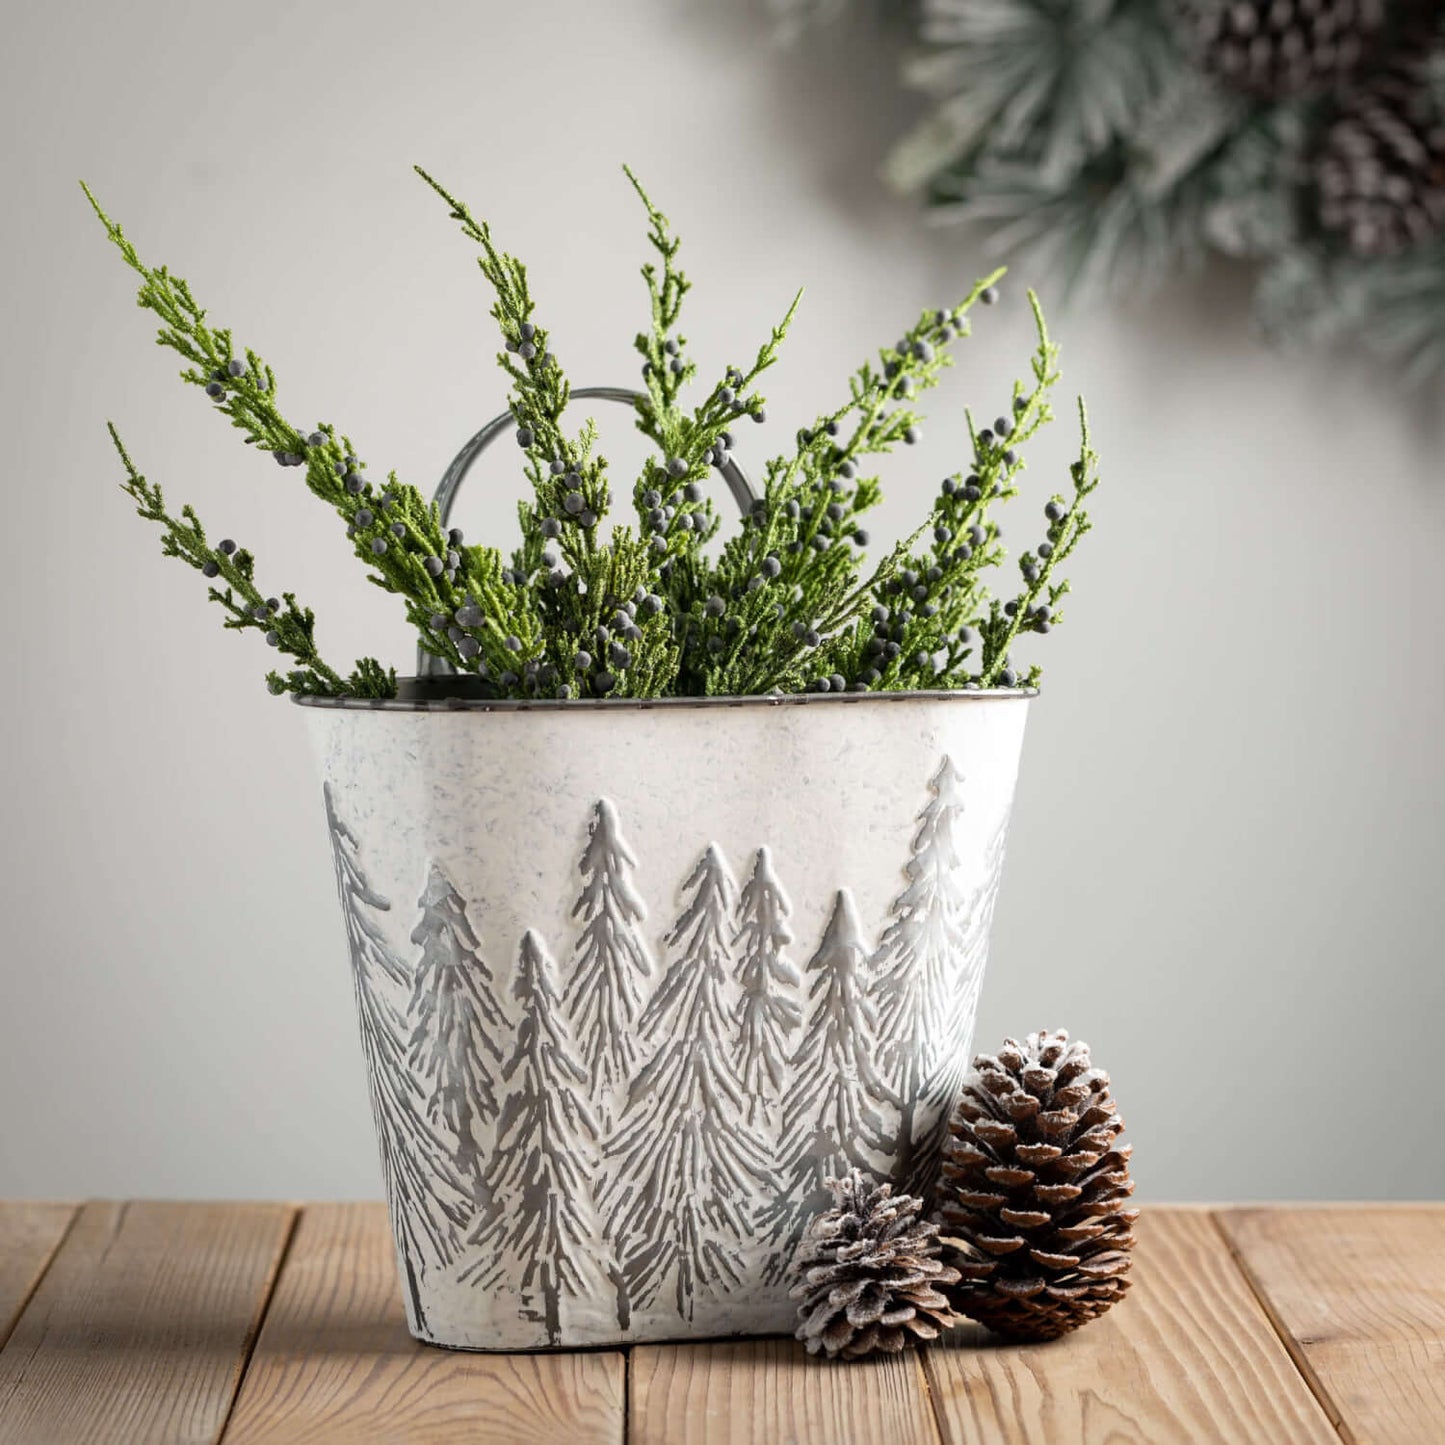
{"x": 1227, "y": 850}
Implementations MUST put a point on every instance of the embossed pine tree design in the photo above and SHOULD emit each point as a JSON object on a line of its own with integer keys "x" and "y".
{"x": 943, "y": 1089}
{"x": 536, "y": 1226}
{"x": 768, "y": 1013}
{"x": 918, "y": 959}
{"x": 455, "y": 1020}
{"x": 612, "y": 956}
{"x": 833, "y": 1119}
{"x": 689, "y": 1166}
{"x": 425, "y": 1196}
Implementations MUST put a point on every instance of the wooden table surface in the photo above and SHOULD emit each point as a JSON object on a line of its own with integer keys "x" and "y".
{"x": 150, "y": 1322}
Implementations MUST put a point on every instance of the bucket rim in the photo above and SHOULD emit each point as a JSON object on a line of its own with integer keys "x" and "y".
{"x": 413, "y": 698}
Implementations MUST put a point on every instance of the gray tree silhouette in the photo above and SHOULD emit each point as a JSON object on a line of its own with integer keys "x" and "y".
{"x": 689, "y": 1167}
{"x": 538, "y": 1210}
{"x": 919, "y": 957}
{"x": 942, "y": 1089}
{"x": 768, "y": 1013}
{"x": 833, "y": 1119}
{"x": 455, "y": 1019}
{"x": 426, "y": 1199}
{"x": 603, "y": 996}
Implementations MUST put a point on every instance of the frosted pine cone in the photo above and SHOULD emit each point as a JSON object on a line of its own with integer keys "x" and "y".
{"x": 1274, "y": 49}
{"x": 1380, "y": 175}
{"x": 867, "y": 1272}
{"x": 1033, "y": 1189}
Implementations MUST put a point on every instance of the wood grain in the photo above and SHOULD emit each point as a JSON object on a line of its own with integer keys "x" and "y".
{"x": 29, "y": 1234}
{"x": 1187, "y": 1356}
{"x": 139, "y": 1329}
{"x": 335, "y": 1361}
{"x": 755, "y": 1391}
{"x": 1359, "y": 1295}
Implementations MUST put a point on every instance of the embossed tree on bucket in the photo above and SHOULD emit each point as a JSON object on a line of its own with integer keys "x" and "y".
{"x": 604, "y": 997}
{"x": 455, "y": 1018}
{"x": 833, "y": 1119}
{"x": 426, "y": 1198}
{"x": 538, "y": 1211}
{"x": 942, "y": 1089}
{"x": 768, "y": 1014}
{"x": 917, "y": 967}
{"x": 689, "y": 1164}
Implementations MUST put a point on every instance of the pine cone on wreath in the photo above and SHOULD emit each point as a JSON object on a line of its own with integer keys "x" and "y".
{"x": 1274, "y": 49}
{"x": 1033, "y": 1190}
{"x": 868, "y": 1273}
{"x": 1380, "y": 173}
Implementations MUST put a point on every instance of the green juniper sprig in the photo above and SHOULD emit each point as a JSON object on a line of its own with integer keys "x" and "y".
{"x": 601, "y": 627}
{"x": 287, "y": 627}
{"x": 393, "y": 528}
{"x": 583, "y": 610}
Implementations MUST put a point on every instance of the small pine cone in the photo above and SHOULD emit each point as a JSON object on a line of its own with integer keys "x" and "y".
{"x": 1380, "y": 173}
{"x": 868, "y": 1273}
{"x": 1273, "y": 49}
{"x": 1033, "y": 1188}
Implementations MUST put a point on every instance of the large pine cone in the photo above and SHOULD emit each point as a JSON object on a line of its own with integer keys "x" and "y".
{"x": 1273, "y": 49}
{"x": 1033, "y": 1189}
{"x": 1380, "y": 174}
{"x": 868, "y": 1273}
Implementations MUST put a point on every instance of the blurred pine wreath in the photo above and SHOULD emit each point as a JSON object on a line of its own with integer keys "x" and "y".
{"x": 1126, "y": 139}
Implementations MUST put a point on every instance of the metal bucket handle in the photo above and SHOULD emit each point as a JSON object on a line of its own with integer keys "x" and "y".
{"x": 450, "y": 484}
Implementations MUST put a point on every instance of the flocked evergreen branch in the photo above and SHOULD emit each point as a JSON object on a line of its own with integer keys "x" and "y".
{"x": 286, "y": 626}
{"x": 644, "y": 611}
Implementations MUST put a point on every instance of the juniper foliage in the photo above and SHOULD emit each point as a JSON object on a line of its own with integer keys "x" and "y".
{"x": 586, "y": 607}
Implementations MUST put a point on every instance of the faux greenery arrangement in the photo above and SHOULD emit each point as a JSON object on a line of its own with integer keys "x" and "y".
{"x": 649, "y": 610}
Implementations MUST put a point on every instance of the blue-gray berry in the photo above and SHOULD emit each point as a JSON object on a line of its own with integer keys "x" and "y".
{"x": 988, "y": 295}
{"x": 977, "y": 535}
{"x": 714, "y": 606}
{"x": 771, "y": 566}
{"x": 1008, "y": 678}
{"x": 943, "y": 534}
{"x": 693, "y": 491}
{"x": 811, "y": 637}
{"x": 512, "y": 643}
{"x": 675, "y": 366}
{"x": 216, "y": 390}
{"x": 526, "y": 351}
{"x": 572, "y": 503}
{"x": 860, "y": 536}
{"x": 379, "y": 546}
{"x": 588, "y": 519}
{"x": 1010, "y": 608}
{"x": 760, "y": 415}
{"x": 353, "y": 482}
{"x": 226, "y": 545}
{"x": 316, "y": 439}
{"x": 670, "y": 346}
{"x": 236, "y": 367}
{"x": 1046, "y": 549}
{"x": 836, "y": 682}
{"x": 526, "y": 331}
{"x": 365, "y": 516}
{"x": 398, "y": 529}
{"x": 1053, "y": 511}
{"x": 525, "y": 437}
{"x": 911, "y": 435}
{"x": 1010, "y": 457}
{"x": 210, "y": 569}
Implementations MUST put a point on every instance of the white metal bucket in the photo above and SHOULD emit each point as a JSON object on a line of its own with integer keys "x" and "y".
{"x": 634, "y": 978}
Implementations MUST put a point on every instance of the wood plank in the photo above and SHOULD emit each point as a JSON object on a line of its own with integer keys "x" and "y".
{"x": 1359, "y": 1295}
{"x": 335, "y": 1361}
{"x": 1188, "y": 1355}
{"x": 140, "y": 1328}
{"x": 747, "y": 1391}
{"x": 29, "y": 1234}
